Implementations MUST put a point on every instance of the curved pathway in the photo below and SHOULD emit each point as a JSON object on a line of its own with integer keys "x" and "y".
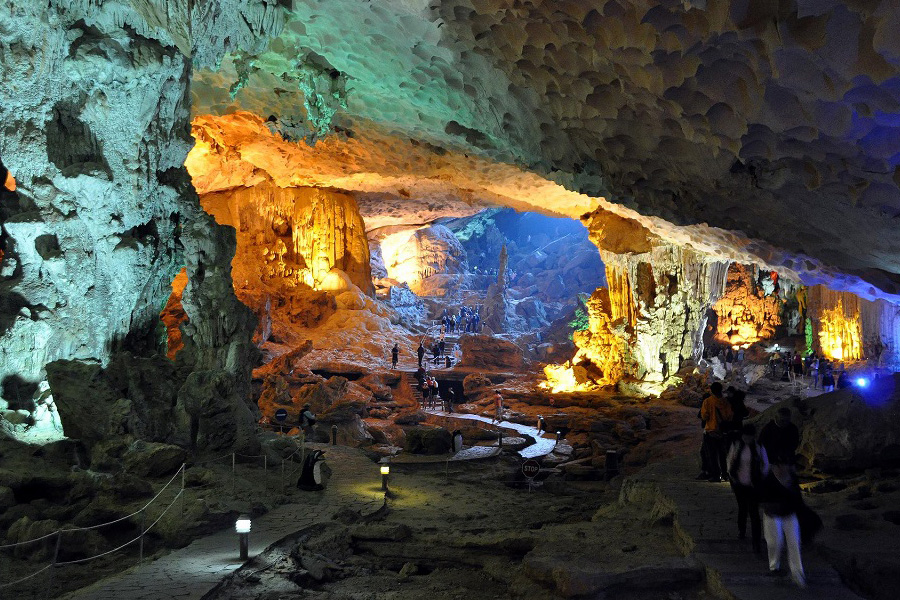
{"x": 541, "y": 446}
{"x": 191, "y": 572}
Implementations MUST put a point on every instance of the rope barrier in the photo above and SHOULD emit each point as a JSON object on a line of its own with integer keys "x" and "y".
{"x": 26, "y": 578}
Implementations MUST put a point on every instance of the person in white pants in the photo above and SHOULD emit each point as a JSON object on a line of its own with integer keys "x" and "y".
{"x": 781, "y": 500}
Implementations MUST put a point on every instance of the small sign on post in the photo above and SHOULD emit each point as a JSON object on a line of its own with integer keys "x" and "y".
{"x": 281, "y": 416}
{"x": 530, "y": 468}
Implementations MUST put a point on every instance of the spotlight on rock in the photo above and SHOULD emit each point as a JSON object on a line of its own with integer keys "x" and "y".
{"x": 242, "y": 527}
{"x": 862, "y": 382}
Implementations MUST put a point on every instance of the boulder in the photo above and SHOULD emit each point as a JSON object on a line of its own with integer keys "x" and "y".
{"x": 489, "y": 352}
{"x": 850, "y": 429}
{"x": 475, "y": 384}
{"x": 428, "y": 440}
{"x": 149, "y": 459}
{"x": 7, "y": 498}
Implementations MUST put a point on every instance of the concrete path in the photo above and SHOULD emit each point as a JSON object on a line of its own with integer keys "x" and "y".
{"x": 705, "y": 521}
{"x": 541, "y": 447}
{"x": 193, "y": 571}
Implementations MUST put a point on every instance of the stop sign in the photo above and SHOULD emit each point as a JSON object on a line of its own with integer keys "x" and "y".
{"x": 530, "y": 468}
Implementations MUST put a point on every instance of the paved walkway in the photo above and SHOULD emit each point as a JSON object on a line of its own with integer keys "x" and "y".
{"x": 705, "y": 521}
{"x": 541, "y": 447}
{"x": 193, "y": 571}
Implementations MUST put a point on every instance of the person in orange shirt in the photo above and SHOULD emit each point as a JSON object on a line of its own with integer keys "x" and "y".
{"x": 715, "y": 413}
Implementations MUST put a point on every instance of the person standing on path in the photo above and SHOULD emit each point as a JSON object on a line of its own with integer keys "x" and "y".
{"x": 395, "y": 355}
{"x": 421, "y": 352}
{"x": 498, "y": 407}
{"x": 780, "y": 438}
{"x": 748, "y": 466}
{"x": 781, "y": 501}
{"x": 715, "y": 413}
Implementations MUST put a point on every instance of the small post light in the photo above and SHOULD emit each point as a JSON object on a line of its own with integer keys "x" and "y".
{"x": 558, "y": 436}
{"x": 385, "y": 472}
{"x": 334, "y": 435}
{"x": 242, "y": 527}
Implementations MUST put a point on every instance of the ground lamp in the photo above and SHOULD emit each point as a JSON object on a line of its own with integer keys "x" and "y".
{"x": 242, "y": 527}
{"x": 558, "y": 436}
{"x": 334, "y": 435}
{"x": 862, "y": 382}
{"x": 385, "y": 471}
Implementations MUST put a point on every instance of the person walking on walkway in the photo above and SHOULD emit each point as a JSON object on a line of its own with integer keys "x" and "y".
{"x": 781, "y": 501}
{"x": 715, "y": 412}
{"x": 498, "y": 408}
{"x": 748, "y": 466}
{"x": 421, "y": 352}
{"x": 395, "y": 355}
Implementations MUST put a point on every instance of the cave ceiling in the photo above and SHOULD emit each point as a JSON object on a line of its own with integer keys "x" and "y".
{"x": 769, "y": 128}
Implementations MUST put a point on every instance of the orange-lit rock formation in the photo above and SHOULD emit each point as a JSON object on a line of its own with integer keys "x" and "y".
{"x": 297, "y": 236}
{"x": 746, "y": 314}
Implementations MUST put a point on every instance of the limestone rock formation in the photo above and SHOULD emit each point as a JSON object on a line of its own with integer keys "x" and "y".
{"x": 746, "y": 313}
{"x": 490, "y": 353}
{"x": 430, "y": 260}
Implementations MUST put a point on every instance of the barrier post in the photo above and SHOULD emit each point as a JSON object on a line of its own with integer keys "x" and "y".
{"x": 143, "y": 526}
{"x": 233, "y": 473}
{"x": 265, "y": 474}
{"x": 282, "y": 475}
{"x": 183, "y": 469}
{"x": 55, "y": 558}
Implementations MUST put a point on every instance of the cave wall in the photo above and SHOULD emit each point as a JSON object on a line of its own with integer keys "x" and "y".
{"x": 96, "y": 131}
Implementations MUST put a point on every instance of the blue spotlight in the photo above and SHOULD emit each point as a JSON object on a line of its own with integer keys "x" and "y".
{"x": 862, "y": 382}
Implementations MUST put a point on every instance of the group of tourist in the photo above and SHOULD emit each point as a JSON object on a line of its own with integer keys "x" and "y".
{"x": 789, "y": 366}
{"x": 431, "y": 394}
{"x": 467, "y": 321}
{"x": 761, "y": 473}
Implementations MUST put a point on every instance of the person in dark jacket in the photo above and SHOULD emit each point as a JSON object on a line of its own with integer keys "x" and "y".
{"x": 735, "y": 399}
{"x": 780, "y": 438}
{"x": 748, "y": 466}
{"x": 781, "y": 500}
{"x": 421, "y": 353}
{"x": 395, "y": 356}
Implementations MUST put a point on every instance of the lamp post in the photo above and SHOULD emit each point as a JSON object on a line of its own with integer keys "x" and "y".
{"x": 385, "y": 471}
{"x": 242, "y": 527}
{"x": 334, "y": 435}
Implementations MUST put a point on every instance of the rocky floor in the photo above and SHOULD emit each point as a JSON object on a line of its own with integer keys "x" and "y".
{"x": 475, "y": 531}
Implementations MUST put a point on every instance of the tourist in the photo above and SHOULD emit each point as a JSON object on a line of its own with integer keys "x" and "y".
{"x": 828, "y": 381}
{"x": 729, "y": 359}
{"x": 748, "y": 465}
{"x": 715, "y": 412}
{"x": 421, "y": 352}
{"x": 798, "y": 366}
{"x": 740, "y": 356}
{"x": 436, "y": 352}
{"x": 780, "y": 437}
{"x": 814, "y": 371}
{"x": 448, "y": 362}
{"x": 498, "y": 407}
{"x": 395, "y": 355}
{"x": 843, "y": 380}
{"x": 781, "y": 501}
{"x": 307, "y": 420}
{"x": 441, "y": 346}
{"x": 739, "y": 412}
{"x": 450, "y": 397}
{"x": 435, "y": 394}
